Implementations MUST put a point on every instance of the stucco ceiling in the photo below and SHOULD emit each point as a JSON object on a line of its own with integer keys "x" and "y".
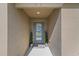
{"x": 44, "y": 9}
{"x": 38, "y": 12}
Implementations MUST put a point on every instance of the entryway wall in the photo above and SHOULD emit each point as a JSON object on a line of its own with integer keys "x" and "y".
{"x": 54, "y": 32}
{"x": 18, "y": 31}
{"x": 3, "y": 29}
{"x": 70, "y": 31}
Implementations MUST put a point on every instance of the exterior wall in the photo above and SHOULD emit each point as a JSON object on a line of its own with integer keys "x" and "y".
{"x": 70, "y": 5}
{"x": 53, "y": 5}
{"x": 70, "y": 31}
{"x": 54, "y": 32}
{"x": 18, "y": 31}
{"x": 3, "y": 29}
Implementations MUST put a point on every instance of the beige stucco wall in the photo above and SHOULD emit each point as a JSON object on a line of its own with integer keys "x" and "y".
{"x": 70, "y": 5}
{"x": 3, "y": 29}
{"x": 18, "y": 31}
{"x": 54, "y": 32}
{"x": 70, "y": 31}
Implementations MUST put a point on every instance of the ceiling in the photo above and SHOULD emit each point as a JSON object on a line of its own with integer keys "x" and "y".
{"x": 24, "y": 5}
{"x": 38, "y": 12}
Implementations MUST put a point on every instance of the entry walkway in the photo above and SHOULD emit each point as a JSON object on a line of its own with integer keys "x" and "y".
{"x": 40, "y": 51}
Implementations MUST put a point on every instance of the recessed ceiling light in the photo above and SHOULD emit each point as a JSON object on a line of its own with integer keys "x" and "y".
{"x": 38, "y": 12}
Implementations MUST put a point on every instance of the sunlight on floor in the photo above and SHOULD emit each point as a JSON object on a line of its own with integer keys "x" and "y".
{"x": 40, "y": 51}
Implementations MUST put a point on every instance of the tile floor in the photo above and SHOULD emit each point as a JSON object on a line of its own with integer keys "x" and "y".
{"x": 40, "y": 51}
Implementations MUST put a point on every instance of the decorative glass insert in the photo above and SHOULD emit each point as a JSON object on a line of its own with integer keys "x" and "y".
{"x": 38, "y": 31}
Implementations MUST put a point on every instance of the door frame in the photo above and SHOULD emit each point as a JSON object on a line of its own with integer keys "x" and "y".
{"x": 33, "y": 29}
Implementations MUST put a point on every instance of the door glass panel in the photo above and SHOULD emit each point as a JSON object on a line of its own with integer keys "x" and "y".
{"x": 38, "y": 31}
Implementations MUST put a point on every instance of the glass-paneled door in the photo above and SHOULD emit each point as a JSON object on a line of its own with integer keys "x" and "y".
{"x": 38, "y": 30}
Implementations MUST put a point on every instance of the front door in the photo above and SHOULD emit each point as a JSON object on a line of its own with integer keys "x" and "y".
{"x": 38, "y": 33}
